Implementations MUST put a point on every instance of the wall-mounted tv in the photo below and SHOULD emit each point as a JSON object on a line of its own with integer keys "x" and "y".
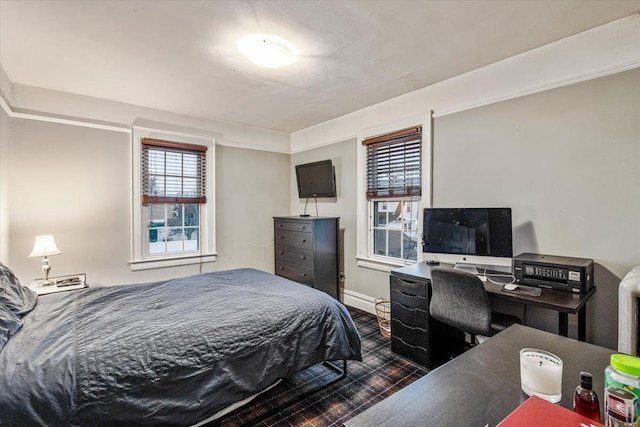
{"x": 316, "y": 179}
{"x": 468, "y": 235}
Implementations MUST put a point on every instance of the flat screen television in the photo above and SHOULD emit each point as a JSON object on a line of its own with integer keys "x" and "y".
{"x": 316, "y": 179}
{"x": 480, "y": 236}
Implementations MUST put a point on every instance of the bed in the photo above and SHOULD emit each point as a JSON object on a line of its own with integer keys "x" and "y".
{"x": 171, "y": 352}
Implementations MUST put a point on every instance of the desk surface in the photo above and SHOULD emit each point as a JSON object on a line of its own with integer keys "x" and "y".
{"x": 566, "y": 302}
{"x": 482, "y": 386}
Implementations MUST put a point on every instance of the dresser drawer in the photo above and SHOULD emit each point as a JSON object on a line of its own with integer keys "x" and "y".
{"x": 414, "y": 353}
{"x": 294, "y": 272}
{"x": 409, "y": 316}
{"x": 409, "y": 301}
{"x": 304, "y": 226}
{"x": 302, "y": 257}
{"x": 408, "y": 287}
{"x": 295, "y": 239}
{"x": 415, "y": 336}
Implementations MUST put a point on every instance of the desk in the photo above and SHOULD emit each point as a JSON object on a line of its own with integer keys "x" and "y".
{"x": 564, "y": 303}
{"x": 482, "y": 386}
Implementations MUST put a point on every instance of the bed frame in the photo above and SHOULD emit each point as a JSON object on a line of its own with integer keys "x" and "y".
{"x": 341, "y": 373}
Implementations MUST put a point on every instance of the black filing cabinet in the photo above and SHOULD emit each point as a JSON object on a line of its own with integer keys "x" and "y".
{"x": 414, "y": 334}
{"x": 306, "y": 250}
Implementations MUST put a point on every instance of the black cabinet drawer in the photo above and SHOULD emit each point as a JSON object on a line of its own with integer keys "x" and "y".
{"x": 293, "y": 225}
{"x": 414, "y": 317}
{"x": 408, "y": 287}
{"x": 294, "y": 239}
{"x": 409, "y": 301}
{"x": 414, "y": 353}
{"x": 294, "y": 272}
{"x": 302, "y": 257}
{"x": 410, "y": 335}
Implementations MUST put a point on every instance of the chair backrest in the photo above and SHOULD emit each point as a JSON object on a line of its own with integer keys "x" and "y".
{"x": 460, "y": 300}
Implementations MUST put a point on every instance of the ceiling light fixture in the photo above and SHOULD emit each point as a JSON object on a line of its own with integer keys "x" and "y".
{"x": 267, "y": 50}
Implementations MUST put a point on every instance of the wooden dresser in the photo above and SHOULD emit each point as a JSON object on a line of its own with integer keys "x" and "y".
{"x": 414, "y": 334}
{"x": 306, "y": 250}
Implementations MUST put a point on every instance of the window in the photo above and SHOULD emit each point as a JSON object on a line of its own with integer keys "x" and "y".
{"x": 173, "y": 221}
{"x": 394, "y": 185}
{"x": 395, "y": 229}
{"x": 173, "y": 188}
{"x": 173, "y": 227}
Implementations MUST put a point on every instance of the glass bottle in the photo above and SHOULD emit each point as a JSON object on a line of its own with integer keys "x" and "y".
{"x": 585, "y": 400}
{"x": 621, "y": 391}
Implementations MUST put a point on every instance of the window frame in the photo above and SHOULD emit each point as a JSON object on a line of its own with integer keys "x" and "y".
{"x": 364, "y": 209}
{"x": 140, "y": 257}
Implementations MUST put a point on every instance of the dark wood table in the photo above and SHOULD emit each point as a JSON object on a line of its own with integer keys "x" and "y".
{"x": 482, "y": 386}
{"x": 563, "y": 302}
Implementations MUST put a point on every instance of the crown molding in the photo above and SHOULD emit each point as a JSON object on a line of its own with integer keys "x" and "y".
{"x": 58, "y": 120}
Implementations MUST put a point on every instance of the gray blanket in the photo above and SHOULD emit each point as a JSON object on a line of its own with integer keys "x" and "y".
{"x": 171, "y": 352}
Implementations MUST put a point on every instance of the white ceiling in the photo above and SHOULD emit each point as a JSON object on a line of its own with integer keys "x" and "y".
{"x": 181, "y": 56}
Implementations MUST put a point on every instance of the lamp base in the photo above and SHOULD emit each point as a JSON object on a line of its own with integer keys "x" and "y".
{"x": 45, "y": 282}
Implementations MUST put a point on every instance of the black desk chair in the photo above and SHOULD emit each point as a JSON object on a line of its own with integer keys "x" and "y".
{"x": 459, "y": 299}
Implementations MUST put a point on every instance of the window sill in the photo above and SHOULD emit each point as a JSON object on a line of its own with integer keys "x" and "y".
{"x": 380, "y": 264}
{"x": 150, "y": 263}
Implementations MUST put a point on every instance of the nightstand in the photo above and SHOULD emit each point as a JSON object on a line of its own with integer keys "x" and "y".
{"x": 60, "y": 284}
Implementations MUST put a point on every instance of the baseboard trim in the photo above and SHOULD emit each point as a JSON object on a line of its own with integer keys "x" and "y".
{"x": 360, "y": 301}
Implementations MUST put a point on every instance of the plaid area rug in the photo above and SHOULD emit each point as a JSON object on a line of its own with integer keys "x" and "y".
{"x": 379, "y": 375}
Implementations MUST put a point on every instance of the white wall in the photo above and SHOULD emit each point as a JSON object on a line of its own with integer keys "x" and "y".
{"x": 567, "y": 161}
{"x": 70, "y": 172}
{"x": 602, "y": 51}
{"x": 27, "y": 99}
{"x": 71, "y": 182}
{"x": 5, "y": 143}
{"x": 6, "y": 93}
{"x": 74, "y": 182}
{"x": 252, "y": 187}
{"x": 6, "y": 87}
{"x": 343, "y": 156}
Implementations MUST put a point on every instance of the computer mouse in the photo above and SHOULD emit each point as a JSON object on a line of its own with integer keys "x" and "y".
{"x": 511, "y": 287}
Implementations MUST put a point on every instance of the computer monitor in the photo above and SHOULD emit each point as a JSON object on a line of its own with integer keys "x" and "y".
{"x": 472, "y": 236}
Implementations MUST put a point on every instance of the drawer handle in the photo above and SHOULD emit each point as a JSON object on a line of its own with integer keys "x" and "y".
{"x": 281, "y": 252}
{"x": 303, "y": 257}
{"x": 411, "y": 309}
{"x": 280, "y": 225}
{"x": 282, "y": 237}
{"x": 409, "y": 295}
{"x": 303, "y": 227}
{"x": 410, "y": 345}
{"x": 281, "y": 268}
{"x": 304, "y": 274}
{"x": 303, "y": 240}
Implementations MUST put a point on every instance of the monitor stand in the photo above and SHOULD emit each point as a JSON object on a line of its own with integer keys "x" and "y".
{"x": 469, "y": 268}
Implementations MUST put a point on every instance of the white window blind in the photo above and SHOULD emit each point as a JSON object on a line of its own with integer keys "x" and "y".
{"x": 173, "y": 172}
{"x": 394, "y": 164}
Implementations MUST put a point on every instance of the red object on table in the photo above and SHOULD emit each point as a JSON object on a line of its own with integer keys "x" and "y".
{"x": 538, "y": 412}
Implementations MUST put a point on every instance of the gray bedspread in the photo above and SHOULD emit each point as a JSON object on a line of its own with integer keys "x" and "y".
{"x": 171, "y": 352}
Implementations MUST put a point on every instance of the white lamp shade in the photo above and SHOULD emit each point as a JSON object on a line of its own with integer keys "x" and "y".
{"x": 44, "y": 246}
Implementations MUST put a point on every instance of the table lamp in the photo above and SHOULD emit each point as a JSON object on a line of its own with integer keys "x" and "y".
{"x": 45, "y": 246}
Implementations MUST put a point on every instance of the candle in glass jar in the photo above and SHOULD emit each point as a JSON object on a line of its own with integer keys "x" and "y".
{"x": 541, "y": 374}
